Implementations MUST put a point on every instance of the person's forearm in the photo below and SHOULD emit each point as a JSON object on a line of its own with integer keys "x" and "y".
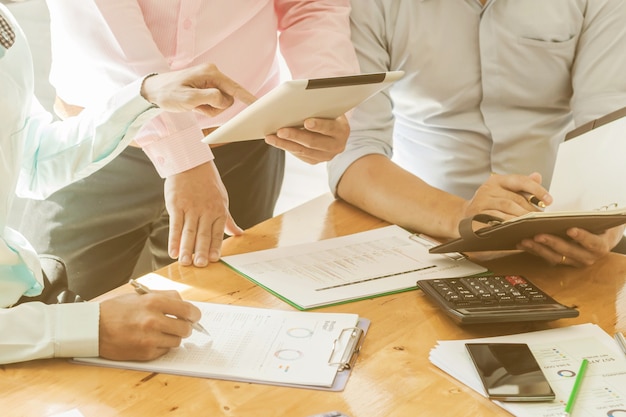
{"x": 383, "y": 189}
{"x": 59, "y": 153}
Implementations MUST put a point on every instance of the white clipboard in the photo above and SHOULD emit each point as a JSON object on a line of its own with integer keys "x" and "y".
{"x": 293, "y": 101}
{"x": 312, "y": 350}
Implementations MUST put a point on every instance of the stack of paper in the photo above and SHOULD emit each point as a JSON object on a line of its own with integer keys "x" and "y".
{"x": 559, "y": 353}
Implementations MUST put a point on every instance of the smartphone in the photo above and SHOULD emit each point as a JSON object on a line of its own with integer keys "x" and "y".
{"x": 510, "y": 372}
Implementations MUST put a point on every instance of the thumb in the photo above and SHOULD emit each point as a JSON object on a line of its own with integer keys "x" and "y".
{"x": 209, "y": 100}
{"x": 231, "y": 228}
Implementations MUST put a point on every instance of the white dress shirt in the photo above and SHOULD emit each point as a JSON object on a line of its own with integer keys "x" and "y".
{"x": 37, "y": 157}
{"x": 487, "y": 89}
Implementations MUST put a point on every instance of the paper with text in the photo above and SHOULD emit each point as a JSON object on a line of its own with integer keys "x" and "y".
{"x": 559, "y": 352}
{"x": 361, "y": 265}
{"x": 255, "y": 345}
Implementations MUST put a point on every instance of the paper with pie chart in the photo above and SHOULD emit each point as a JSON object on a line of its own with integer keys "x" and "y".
{"x": 259, "y": 345}
{"x": 559, "y": 352}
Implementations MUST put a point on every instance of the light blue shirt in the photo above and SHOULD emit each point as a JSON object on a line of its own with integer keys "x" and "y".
{"x": 487, "y": 89}
{"x": 38, "y": 157}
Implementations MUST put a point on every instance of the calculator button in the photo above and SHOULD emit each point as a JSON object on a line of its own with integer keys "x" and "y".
{"x": 494, "y": 298}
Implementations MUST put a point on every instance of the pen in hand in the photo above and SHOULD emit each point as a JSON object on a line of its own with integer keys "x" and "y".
{"x": 142, "y": 289}
{"x": 534, "y": 200}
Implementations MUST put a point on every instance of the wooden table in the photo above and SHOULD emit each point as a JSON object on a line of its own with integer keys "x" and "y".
{"x": 392, "y": 377}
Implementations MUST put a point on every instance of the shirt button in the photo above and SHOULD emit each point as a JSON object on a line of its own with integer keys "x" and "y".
{"x": 187, "y": 24}
{"x": 160, "y": 160}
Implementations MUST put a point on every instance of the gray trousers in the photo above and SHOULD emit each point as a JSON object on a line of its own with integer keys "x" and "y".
{"x": 100, "y": 225}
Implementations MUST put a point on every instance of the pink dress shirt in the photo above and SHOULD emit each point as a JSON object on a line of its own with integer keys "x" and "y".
{"x": 101, "y": 45}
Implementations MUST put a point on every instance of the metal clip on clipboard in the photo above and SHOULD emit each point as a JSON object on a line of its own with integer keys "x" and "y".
{"x": 352, "y": 339}
{"x": 429, "y": 242}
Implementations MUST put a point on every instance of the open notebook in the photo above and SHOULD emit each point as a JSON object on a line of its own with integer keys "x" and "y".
{"x": 586, "y": 186}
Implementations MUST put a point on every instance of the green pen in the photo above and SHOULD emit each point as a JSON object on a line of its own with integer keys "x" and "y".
{"x": 576, "y": 387}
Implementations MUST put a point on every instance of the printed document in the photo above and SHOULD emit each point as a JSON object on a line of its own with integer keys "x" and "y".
{"x": 362, "y": 265}
{"x": 260, "y": 345}
{"x": 559, "y": 352}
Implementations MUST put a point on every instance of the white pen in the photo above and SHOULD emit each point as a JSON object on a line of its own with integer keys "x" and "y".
{"x": 621, "y": 341}
{"x": 142, "y": 289}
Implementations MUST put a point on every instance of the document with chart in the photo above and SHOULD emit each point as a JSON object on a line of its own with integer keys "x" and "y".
{"x": 268, "y": 346}
{"x": 362, "y": 265}
{"x": 559, "y": 352}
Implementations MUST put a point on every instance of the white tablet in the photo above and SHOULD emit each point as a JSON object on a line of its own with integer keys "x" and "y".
{"x": 291, "y": 102}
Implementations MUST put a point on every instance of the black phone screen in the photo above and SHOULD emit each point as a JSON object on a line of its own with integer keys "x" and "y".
{"x": 510, "y": 372}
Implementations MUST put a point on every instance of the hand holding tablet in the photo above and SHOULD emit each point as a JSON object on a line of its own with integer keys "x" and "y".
{"x": 293, "y": 101}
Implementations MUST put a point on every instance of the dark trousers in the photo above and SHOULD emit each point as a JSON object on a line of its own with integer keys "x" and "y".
{"x": 100, "y": 225}
{"x": 55, "y": 285}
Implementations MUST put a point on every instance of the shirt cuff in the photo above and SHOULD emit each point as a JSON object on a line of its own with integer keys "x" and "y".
{"x": 178, "y": 152}
{"x": 337, "y": 166}
{"x": 76, "y": 329}
{"x": 129, "y": 96}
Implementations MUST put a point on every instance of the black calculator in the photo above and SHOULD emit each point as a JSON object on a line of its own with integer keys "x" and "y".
{"x": 493, "y": 299}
